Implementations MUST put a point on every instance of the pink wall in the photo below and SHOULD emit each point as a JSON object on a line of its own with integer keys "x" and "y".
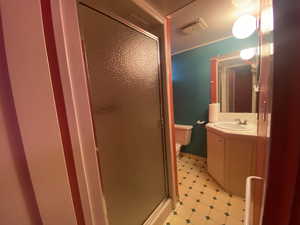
{"x": 32, "y": 91}
{"x": 16, "y": 193}
{"x": 213, "y": 80}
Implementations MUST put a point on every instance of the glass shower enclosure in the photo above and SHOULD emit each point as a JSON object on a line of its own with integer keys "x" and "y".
{"x": 125, "y": 93}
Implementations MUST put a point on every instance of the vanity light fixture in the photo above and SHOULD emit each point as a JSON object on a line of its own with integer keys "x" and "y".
{"x": 244, "y": 26}
{"x": 248, "y": 53}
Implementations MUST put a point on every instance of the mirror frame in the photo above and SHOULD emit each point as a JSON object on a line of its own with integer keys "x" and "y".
{"x": 214, "y": 73}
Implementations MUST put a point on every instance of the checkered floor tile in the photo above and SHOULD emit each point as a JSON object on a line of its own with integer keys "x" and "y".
{"x": 202, "y": 200}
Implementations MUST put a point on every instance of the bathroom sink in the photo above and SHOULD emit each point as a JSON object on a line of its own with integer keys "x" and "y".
{"x": 234, "y": 126}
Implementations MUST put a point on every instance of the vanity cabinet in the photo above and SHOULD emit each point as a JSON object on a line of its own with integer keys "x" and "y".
{"x": 230, "y": 159}
{"x": 216, "y": 153}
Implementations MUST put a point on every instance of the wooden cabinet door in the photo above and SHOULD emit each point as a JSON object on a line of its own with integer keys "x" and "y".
{"x": 239, "y": 164}
{"x": 215, "y": 157}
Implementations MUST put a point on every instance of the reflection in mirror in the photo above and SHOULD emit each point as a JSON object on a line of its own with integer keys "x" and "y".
{"x": 237, "y": 80}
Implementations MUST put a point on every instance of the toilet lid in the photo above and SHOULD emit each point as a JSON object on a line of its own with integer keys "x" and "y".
{"x": 185, "y": 127}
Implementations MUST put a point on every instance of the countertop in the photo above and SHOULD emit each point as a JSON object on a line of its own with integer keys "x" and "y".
{"x": 247, "y": 133}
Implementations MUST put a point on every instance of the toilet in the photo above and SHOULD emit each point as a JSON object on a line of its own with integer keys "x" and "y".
{"x": 183, "y": 135}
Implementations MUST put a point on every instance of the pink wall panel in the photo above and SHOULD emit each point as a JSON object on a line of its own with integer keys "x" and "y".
{"x": 170, "y": 105}
{"x": 213, "y": 80}
{"x": 74, "y": 84}
{"x": 32, "y": 92}
{"x": 16, "y": 193}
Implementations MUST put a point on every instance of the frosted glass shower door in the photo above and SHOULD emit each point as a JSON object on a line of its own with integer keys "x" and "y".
{"x": 123, "y": 68}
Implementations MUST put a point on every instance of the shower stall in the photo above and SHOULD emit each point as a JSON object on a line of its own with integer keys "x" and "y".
{"x": 123, "y": 71}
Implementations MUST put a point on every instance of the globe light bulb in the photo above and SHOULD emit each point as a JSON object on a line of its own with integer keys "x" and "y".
{"x": 248, "y": 53}
{"x": 244, "y": 26}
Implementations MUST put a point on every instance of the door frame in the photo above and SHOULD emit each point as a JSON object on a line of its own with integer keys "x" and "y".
{"x": 282, "y": 206}
{"x": 285, "y": 110}
{"x": 282, "y": 201}
{"x": 76, "y": 97}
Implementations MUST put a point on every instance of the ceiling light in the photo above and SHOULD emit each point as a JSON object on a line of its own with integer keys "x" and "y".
{"x": 248, "y": 53}
{"x": 244, "y": 26}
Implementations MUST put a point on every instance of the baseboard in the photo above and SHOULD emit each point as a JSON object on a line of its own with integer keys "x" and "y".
{"x": 161, "y": 213}
{"x": 192, "y": 156}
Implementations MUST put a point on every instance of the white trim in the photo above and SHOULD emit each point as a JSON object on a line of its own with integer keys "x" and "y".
{"x": 161, "y": 213}
{"x": 222, "y": 59}
{"x": 169, "y": 125}
{"x": 201, "y": 45}
{"x": 149, "y": 9}
{"x": 248, "y": 201}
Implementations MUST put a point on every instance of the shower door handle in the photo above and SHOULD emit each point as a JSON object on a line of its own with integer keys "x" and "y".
{"x": 248, "y": 198}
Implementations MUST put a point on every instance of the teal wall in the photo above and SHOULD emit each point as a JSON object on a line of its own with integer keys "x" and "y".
{"x": 191, "y": 83}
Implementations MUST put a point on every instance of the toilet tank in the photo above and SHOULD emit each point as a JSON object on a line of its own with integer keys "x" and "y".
{"x": 183, "y": 134}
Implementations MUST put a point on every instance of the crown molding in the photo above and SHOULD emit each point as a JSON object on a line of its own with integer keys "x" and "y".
{"x": 201, "y": 45}
{"x": 149, "y": 9}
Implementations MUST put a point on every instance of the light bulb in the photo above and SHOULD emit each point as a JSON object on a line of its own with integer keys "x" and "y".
{"x": 248, "y": 53}
{"x": 244, "y": 26}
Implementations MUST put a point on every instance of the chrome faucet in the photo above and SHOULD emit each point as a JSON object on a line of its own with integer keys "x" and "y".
{"x": 242, "y": 122}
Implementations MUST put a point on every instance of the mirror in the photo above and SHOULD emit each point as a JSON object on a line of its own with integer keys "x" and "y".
{"x": 237, "y": 84}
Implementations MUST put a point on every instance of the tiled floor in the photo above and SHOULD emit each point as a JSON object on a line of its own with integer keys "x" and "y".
{"x": 202, "y": 200}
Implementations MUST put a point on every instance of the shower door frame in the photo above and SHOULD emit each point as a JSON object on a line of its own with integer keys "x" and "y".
{"x": 73, "y": 73}
{"x": 129, "y": 25}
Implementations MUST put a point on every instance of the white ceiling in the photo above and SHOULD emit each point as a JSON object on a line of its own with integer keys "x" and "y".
{"x": 125, "y": 9}
{"x": 218, "y": 14}
{"x": 166, "y": 7}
